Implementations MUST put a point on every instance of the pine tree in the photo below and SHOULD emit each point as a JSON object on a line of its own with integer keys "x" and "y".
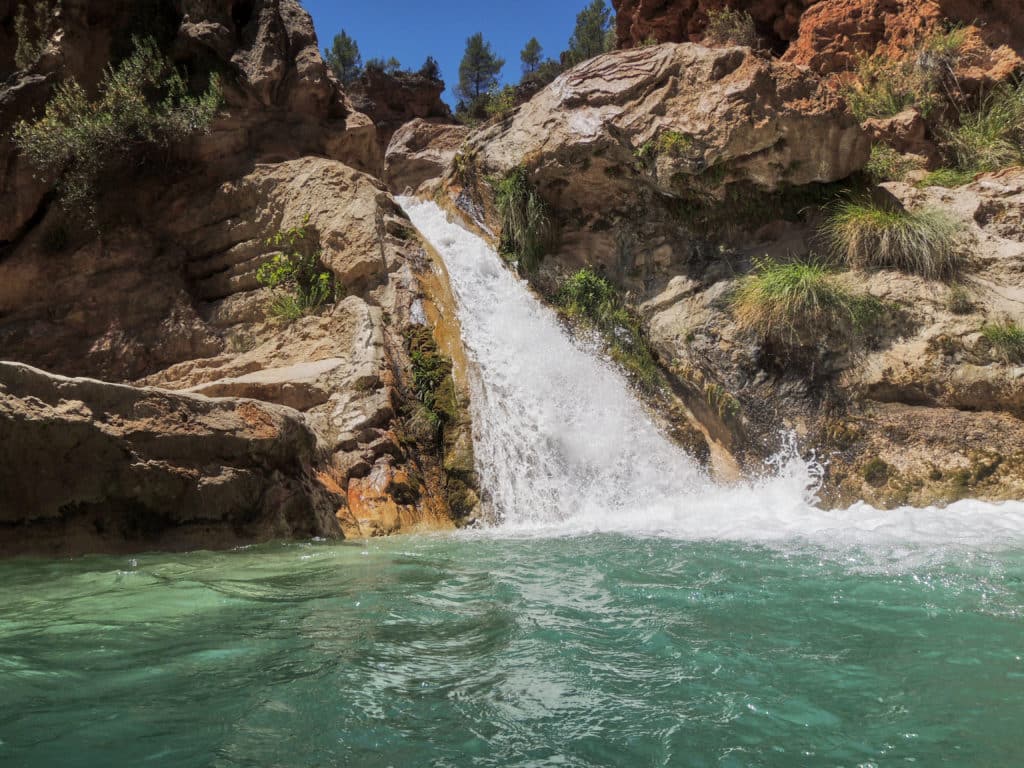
{"x": 531, "y": 57}
{"x": 590, "y": 38}
{"x": 344, "y": 58}
{"x": 478, "y": 72}
{"x": 431, "y": 69}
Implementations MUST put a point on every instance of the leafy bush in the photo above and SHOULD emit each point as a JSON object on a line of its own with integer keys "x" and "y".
{"x": 33, "y": 25}
{"x": 527, "y": 229}
{"x": 143, "y": 105}
{"x": 991, "y": 137}
{"x": 1007, "y": 338}
{"x": 296, "y": 274}
{"x": 885, "y": 86}
{"x": 588, "y": 297}
{"x": 886, "y": 164}
{"x": 795, "y": 302}
{"x": 866, "y": 235}
{"x": 501, "y": 102}
{"x": 730, "y": 27}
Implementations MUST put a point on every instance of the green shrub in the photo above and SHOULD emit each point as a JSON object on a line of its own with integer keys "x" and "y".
{"x": 586, "y": 296}
{"x": 1006, "y": 338}
{"x": 301, "y": 285}
{"x": 34, "y": 23}
{"x": 866, "y": 235}
{"x": 143, "y": 106}
{"x": 947, "y": 177}
{"x": 730, "y": 27}
{"x": 796, "y": 302}
{"x": 886, "y": 164}
{"x": 501, "y": 103}
{"x": 527, "y": 229}
{"x": 991, "y": 137}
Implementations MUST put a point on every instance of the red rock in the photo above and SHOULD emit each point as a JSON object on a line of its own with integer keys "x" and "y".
{"x": 829, "y": 35}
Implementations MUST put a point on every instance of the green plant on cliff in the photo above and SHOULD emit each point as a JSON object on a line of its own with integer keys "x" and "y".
{"x": 143, "y": 109}
{"x": 946, "y": 177}
{"x": 992, "y": 136}
{"x": 34, "y": 23}
{"x": 432, "y": 382}
{"x": 343, "y": 58}
{"x": 796, "y": 302}
{"x": 886, "y": 164}
{"x": 586, "y": 296}
{"x": 866, "y": 235}
{"x": 1007, "y": 338}
{"x": 527, "y": 227}
{"x": 727, "y": 26}
{"x": 501, "y": 102}
{"x": 592, "y": 35}
{"x": 296, "y": 275}
{"x": 924, "y": 78}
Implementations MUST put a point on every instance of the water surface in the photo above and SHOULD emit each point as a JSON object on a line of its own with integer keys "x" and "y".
{"x": 470, "y": 650}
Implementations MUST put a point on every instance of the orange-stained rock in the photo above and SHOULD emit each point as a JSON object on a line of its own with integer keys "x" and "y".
{"x": 371, "y": 504}
{"x": 829, "y": 35}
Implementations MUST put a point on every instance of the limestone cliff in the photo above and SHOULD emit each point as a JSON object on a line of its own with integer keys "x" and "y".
{"x": 163, "y": 301}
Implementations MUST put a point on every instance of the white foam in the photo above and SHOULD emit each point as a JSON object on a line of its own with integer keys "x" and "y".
{"x": 563, "y": 446}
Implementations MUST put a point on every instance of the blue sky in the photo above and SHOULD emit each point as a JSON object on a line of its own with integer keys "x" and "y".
{"x": 411, "y": 30}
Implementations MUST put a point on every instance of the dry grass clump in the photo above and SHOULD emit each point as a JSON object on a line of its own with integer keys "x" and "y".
{"x": 865, "y": 235}
{"x": 798, "y": 301}
{"x": 730, "y": 27}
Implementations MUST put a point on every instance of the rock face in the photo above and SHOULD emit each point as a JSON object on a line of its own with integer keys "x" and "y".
{"x": 167, "y": 296}
{"x": 420, "y": 151}
{"x": 118, "y": 468}
{"x": 671, "y": 170}
{"x": 829, "y": 35}
{"x": 281, "y": 101}
{"x": 928, "y": 412}
{"x": 393, "y": 99}
{"x": 635, "y": 141}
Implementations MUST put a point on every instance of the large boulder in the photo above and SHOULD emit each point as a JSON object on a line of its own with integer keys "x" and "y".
{"x": 90, "y": 465}
{"x": 681, "y": 120}
{"x": 420, "y": 151}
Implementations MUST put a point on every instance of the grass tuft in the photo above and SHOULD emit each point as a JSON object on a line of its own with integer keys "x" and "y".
{"x": 730, "y": 27}
{"x": 991, "y": 137}
{"x": 795, "y": 302}
{"x": 947, "y": 177}
{"x": 866, "y": 235}
{"x": 1006, "y": 338}
{"x": 527, "y": 228}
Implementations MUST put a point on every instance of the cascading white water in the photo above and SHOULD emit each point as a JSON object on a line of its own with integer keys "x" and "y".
{"x": 562, "y": 445}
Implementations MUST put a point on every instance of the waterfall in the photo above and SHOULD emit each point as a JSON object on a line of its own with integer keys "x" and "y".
{"x": 563, "y": 445}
